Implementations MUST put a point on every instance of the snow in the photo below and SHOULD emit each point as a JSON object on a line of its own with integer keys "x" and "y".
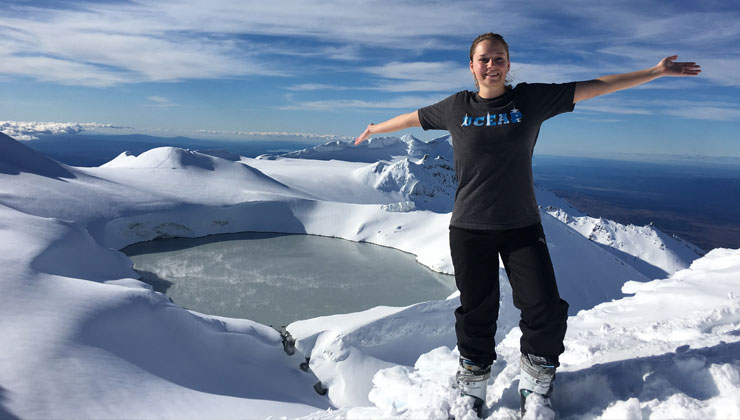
{"x": 654, "y": 327}
{"x": 666, "y": 255}
{"x": 624, "y": 359}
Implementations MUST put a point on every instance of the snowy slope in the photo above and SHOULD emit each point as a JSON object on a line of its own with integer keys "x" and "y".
{"x": 83, "y": 338}
{"x": 656, "y": 359}
{"x": 646, "y": 248}
{"x": 88, "y": 340}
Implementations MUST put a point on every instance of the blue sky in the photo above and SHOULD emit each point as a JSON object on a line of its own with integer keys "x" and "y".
{"x": 214, "y": 68}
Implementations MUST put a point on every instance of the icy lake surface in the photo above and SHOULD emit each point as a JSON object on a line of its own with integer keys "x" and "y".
{"x": 276, "y": 279}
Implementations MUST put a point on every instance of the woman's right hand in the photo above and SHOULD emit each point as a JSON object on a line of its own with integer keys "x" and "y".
{"x": 365, "y": 134}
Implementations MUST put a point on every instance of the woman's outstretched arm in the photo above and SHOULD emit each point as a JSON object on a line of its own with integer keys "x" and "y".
{"x": 396, "y": 123}
{"x": 612, "y": 83}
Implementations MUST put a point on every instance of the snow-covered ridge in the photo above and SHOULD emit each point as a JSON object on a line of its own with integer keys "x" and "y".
{"x": 91, "y": 341}
{"x": 646, "y": 248}
{"x": 171, "y": 158}
{"x": 428, "y": 183}
{"x": 162, "y": 157}
{"x": 376, "y": 149}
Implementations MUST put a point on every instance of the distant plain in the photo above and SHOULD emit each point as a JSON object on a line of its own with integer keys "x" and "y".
{"x": 697, "y": 201}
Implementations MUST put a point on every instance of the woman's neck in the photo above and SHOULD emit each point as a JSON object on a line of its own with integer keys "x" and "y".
{"x": 491, "y": 92}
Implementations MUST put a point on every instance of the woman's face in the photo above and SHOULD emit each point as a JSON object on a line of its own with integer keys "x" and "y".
{"x": 490, "y": 64}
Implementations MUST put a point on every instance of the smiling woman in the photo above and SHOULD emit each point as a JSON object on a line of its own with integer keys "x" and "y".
{"x": 494, "y": 131}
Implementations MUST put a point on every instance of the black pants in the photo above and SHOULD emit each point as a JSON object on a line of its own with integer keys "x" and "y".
{"x": 535, "y": 292}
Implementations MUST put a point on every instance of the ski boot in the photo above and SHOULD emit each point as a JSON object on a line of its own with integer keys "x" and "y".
{"x": 537, "y": 377}
{"x": 472, "y": 380}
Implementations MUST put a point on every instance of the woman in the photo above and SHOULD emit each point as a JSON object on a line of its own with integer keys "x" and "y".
{"x": 493, "y": 132}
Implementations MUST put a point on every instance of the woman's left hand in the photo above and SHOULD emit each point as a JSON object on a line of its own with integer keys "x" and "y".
{"x": 669, "y": 67}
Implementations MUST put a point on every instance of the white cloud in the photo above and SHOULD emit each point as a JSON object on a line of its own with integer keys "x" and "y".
{"x": 159, "y": 99}
{"x": 388, "y": 23}
{"x": 316, "y": 86}
{"x": 28, "y": 130}
{"x": 422, "y": 76}
{"x": 113, "y": 45}
{"x": 552, "y": 72}
{"x": 614, "y": 107}
{"x": 160, "y": 102}
{"x": 104, "y": 44}
{"x": 722, "y": 71}
{"x": 684, "y": 109}
{"x": 403, "y": 102}
{"x": 706, "y": 112}
{"x": 64, "y": 72}
{"x": 407, "y": 77}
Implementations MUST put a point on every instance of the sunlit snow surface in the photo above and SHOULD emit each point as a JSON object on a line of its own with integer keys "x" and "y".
{"x": 276, "y": 279}
{"x": 670, "y": 351}
{"x": 82, "y": 338}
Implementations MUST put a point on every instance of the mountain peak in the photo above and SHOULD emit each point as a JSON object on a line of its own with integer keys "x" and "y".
{"x": 163, "y": 157}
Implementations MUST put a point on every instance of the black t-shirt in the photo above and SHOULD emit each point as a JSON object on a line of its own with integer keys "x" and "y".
{"x": 492, "y": 142}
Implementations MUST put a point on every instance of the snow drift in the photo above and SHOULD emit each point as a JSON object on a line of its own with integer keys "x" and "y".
{"x": 88, "y": 340}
